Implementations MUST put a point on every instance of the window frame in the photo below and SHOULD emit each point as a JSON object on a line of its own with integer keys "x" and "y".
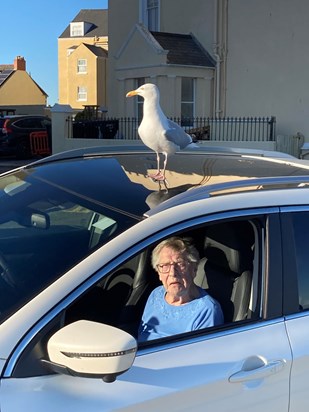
{"x": 82, "y": 91}
{"x": 191, "y": 103}
{"x": 82, "y": 66}
{"x": 76, "y": 29}
{"x": 150, "y": 14}
{"x": 139, "y": 102}
{"x": 291, "y": 304}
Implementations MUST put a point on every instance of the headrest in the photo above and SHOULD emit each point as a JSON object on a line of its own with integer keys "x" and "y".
{"x": 229, "y": 247}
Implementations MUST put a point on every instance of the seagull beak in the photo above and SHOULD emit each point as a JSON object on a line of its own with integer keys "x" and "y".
{"x": 131, "y": 93}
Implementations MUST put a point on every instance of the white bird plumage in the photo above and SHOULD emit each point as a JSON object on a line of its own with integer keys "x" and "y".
{"x": 156, "y": 130}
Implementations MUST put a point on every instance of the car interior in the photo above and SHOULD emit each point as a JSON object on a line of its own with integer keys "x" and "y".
{"x": 228, "y": 271}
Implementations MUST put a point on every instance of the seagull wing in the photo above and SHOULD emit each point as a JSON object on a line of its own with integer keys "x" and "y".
{"x": 177, "y": 135}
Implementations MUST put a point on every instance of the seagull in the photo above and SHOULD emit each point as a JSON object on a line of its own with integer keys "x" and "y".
{"x": 158, "y": 132}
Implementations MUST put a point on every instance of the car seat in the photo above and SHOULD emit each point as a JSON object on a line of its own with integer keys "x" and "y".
{"x": 225, "y": 268}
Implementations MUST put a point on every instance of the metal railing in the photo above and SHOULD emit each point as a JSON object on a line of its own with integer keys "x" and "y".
{"x": 261, "y": 129}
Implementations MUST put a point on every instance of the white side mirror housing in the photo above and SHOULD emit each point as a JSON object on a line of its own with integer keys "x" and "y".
{"x": 91, "y": 349}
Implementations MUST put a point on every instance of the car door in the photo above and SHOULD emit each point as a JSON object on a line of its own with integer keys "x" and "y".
{"x": 238, "y": 366}
{"x": 295, "y": 227}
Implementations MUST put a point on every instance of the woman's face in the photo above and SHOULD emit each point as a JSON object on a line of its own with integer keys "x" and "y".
{"x": 179, "y": 276}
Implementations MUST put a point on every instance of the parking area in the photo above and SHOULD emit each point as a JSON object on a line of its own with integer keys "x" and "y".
{"x": 9, "y": 163}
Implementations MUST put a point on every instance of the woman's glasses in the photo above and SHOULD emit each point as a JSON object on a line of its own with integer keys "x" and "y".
{"x": 166, "y": 267}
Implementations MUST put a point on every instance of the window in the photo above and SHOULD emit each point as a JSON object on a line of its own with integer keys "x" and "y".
{"x": 79, "y": 29}
{"x": 187, "y": 101}
{"x": 81, "y": 66}
{"x": 150, "y": 12}
{"x": 54, "y": 229}
{"x": 153, "y": 15}
{"x": 228, "y": 270}
{"x": 76, "y": 29}
{"x": 300, "y": 222}
{"x": 82, "y": 93}
{"x": 140, "y": 101}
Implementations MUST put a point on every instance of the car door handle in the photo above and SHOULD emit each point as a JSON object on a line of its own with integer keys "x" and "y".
{"x": 260, "y": 372}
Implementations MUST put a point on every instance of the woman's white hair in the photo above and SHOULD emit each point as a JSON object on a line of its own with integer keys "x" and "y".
{"x": 178, "y": 244}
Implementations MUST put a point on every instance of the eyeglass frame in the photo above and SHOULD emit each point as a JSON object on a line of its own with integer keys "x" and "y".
{"x": 170, "y": 264}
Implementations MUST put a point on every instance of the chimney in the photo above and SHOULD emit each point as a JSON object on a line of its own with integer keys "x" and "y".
{"x": 19, "y": 63}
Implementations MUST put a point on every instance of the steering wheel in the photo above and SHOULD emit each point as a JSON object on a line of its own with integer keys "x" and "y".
{"x": 6, "y": 274}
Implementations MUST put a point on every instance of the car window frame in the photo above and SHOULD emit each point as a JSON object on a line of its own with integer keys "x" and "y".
{"x": 39, "y": 333}
{"x": 290, "y": 272}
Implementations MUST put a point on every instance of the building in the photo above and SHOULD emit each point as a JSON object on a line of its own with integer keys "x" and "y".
{"x": 258, "y": 48}
{"x": 19, "y": 93}
{"x": 82, "y": 60}
{"x": 166, "y": 43}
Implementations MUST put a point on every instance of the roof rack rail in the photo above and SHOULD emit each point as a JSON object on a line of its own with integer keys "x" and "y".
{"x": 215, "y": 189}
{"x": 263, "y": 182}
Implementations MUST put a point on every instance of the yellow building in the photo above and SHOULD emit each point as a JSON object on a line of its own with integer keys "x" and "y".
{"x": 82, "y": 60}
{"x": 19, "y": 93}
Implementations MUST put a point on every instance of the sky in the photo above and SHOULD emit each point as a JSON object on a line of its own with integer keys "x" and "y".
{"x": 30, "y": 28}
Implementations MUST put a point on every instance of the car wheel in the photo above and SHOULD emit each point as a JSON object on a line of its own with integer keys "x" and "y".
{"x": 23, "y": 150}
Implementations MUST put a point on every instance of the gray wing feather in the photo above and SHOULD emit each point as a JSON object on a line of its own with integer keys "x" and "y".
{"x": 177, "y": 135}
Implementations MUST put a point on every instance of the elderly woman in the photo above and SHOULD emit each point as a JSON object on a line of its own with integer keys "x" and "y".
{"x": 179, "y": 305}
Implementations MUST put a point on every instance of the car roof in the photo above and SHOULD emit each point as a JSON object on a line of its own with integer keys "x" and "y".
{"x": 118, "y": 179}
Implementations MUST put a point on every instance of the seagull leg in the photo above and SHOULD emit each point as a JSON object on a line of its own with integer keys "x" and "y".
{"x": 164, "y": 165}
{"x": 158, "y": 175}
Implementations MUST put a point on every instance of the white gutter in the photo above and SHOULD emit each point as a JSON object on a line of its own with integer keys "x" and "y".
{"x": 218, "y": 62}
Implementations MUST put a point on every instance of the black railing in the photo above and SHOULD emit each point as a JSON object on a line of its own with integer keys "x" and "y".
{"x": 201, "y": 128}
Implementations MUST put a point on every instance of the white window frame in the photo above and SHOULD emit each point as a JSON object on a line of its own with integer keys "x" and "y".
{"x": 140, "y": 100}
{"x": 76, "y": 29}
{"x": 188, "y": 102}
{"x": 81, "y": 66}
{"x": 82, "y": 93}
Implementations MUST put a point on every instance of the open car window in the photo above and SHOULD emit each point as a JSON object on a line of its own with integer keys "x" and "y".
{"x": 229, "y": 270}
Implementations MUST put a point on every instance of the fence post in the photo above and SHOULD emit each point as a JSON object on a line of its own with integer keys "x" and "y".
{"x": 61, "y": 127}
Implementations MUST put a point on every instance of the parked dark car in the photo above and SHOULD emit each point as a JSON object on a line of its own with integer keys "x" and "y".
{"x": 15, "y": 133}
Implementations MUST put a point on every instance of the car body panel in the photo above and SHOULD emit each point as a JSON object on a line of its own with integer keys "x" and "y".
{"x": 298, "y": 333}
{"x": 157, "y": 379}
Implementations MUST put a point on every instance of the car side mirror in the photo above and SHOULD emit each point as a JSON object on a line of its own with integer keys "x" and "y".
{"x": 91, "y": 349}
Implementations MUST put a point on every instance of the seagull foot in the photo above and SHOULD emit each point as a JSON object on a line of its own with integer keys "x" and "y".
{"x": 157, "y": 176}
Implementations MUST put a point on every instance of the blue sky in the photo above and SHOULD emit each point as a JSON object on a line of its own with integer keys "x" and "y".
{"x": 30, "y": 28}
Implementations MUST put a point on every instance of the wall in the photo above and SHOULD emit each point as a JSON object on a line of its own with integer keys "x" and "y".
{"x": 268, "y": 59}
{"x": 20, "y": 89}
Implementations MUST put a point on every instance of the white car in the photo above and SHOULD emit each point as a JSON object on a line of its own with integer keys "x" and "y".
{"x": 76, "y": 235}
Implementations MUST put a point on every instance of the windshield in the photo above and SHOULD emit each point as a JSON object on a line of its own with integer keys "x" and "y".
{"x": 48, "y": 225}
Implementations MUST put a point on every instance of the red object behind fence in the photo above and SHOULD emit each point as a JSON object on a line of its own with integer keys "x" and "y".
{"x": 39, "y": 143}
